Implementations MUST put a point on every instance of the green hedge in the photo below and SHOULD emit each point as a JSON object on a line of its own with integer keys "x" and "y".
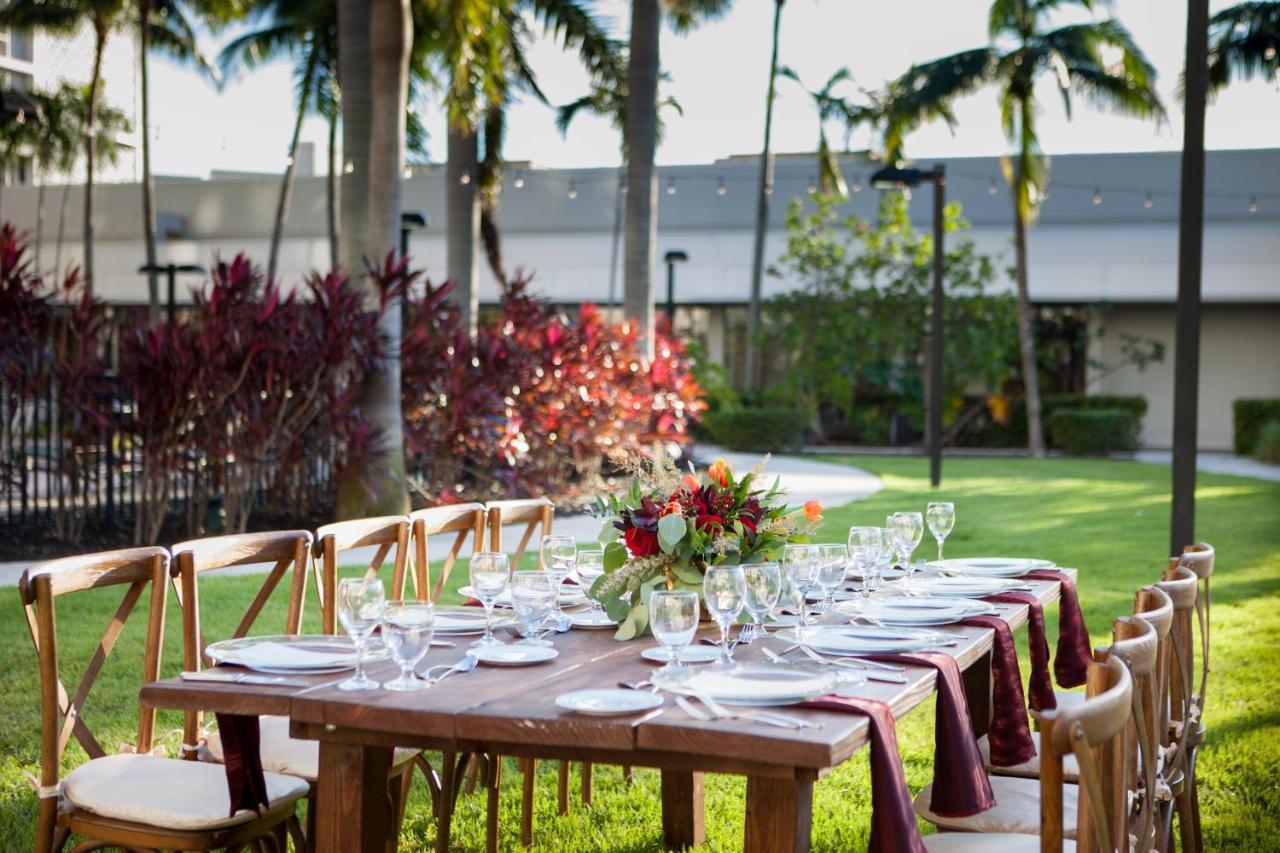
{"x": 1268, "y": 447}
{"x": 1250, "y": 417}
{"x": 982, "y": 431}
{"x": 1052, "y": 402}
{"x": 1087, "y": 432}
{"x": 756, "y": 430}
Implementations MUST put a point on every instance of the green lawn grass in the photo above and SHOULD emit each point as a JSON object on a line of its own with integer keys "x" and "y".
{"x": 1109, "y": 519}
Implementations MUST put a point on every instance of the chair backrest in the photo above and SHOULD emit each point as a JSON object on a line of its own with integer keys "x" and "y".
{"x": 534, "y": 513}
{"x": 1091, "y": 732}
{"x": 1199, "y": 559}
{"x": 61, "y": 713}
{"x": 1156, "y": 608}
{"x": 1136, "y": 644}
{"x": 386, "y": 532}
{"x": 1181, "y": 585}
{"x": 464, "y": 520}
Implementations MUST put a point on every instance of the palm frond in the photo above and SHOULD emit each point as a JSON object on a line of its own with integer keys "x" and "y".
{"x": 686, "y": 15}
{"x": 927, "y": 91}
{"x": 1244, "y": 42}
{"x": 172, "y": 35}
{"x": 1102, "y": 62}
{"x": 58, "y": 16}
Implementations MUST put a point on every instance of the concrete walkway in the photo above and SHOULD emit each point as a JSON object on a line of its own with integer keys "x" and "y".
{"x": 1215, "y": 462}
{"x": 803, "y": 479}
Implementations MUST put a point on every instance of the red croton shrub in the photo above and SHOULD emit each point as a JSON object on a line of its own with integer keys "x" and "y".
{"x": 538, "y": 401}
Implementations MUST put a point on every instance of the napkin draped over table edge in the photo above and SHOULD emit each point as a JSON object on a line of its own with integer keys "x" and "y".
{"x": 1009, "y": 734}
{"x": 1042, "y": 698}
{"x": 1071, "y": 663}
{"x": 242, "y": 761}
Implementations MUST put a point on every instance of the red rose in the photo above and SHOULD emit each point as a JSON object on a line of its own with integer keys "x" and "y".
{"x": 748, "y": 522}
{"x": 640, "y": 542}
{"x": 705, "y": 521}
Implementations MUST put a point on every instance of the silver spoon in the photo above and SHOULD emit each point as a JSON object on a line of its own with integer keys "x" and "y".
{"x": 468, "y": 663}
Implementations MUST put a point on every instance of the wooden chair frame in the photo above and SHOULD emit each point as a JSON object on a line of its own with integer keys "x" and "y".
{"x": 386, "y": 532}
{"x": 465, "y": 520}
{"x": 534, "y": 513}
{"x": 61, "y": 714}
{"x": 1184, "y": 732}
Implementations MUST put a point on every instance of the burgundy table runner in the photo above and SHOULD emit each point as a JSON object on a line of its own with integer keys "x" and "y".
{"x": 242, "y": 761}
{"x": 1009, "y": 734}
{"x": 893, "y": 818}
{"x": 960, "y": 784}
{"x": 1042, "y": 698}
{"x": 1071, "y": 663}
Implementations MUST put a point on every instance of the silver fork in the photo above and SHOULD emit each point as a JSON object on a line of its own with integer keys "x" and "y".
{"x": 784, "y": 721}
{"x": 865, "y": 672}
{"x": 874, "y": 664}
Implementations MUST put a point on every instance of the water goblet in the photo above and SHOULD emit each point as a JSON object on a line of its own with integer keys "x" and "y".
{"x": 723, "y": 589}
{"x": 941, "y": 516}
{"x": 589, "y": 566}
{"x": 490, "y": 574}
{"x": 865, "y": 544}
{"x": 360, "y": 605}
{"x": 762, "y": 587}
{"x": 799, "y": 562}
{"x": 558, "y": 553}
{"x": 832, "y": 562}
{"x": 673, "y": 618}
{"x": 531, "y": 599}
{"x": 407, "y": 629}
{"x": 908, "y": 530}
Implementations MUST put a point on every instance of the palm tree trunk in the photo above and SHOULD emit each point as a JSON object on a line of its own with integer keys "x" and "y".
{"x": 290, "y": 169}
{"x": 642, "y": 181}
{"x": 618, "y": 202}
{"x": 65, "y": 195}
{"x": 91, "y": 147}
{"x": 1026, "y": 324}
{"x": 39, "y": 220}
{"x": 754, "y": 373}
{"x": 462, "y": 223}
{"x": 491, "y": 188}
{"x": 357, "y": 112}
{"x": 148, "y": 183}
{"x": 384, "y": 492}
{"x": 331, "y": 190}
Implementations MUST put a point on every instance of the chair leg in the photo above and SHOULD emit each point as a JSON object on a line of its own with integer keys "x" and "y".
{"x": 493, "y": 780}
{"x": 526, "y": 800}
{"x": 586, "y": 783}
{"x": 295, "y": 832}
{"x": 473, "y": 775}
{"x": 311, "y": 820}
{"x": 1186, "y": 820}
{"x": 1193, "y": 807}
{"x": 562, "y": 788}
{"x": 626, "y": 773}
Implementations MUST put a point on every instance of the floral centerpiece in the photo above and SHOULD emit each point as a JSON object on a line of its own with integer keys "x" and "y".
{"x": 669, "y": 527}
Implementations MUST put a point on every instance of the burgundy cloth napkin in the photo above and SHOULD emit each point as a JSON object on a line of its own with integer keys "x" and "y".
{"x": 1009, "y": 735}
{"x": 960, "y": 784}
{"x": 1071, "y": 663}
{"x": 893, "y": 818}
{"x": 242, "y": 761}
{"x": 1042, "y": 698}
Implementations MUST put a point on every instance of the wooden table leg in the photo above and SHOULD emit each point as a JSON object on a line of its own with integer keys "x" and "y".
{"x": 977, "y": 690}
{"x": 353, "y": 811}
{"x": 444, "y": 803}
{"x": 779, "y": 815}
{"x": 683, "y": 816}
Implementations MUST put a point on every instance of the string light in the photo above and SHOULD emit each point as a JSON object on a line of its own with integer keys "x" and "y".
{"x": 1269, "y": 54}
{"x": 991, "y": 187}
{"x": 408, "y": 172}
{"x": 288, "y": 161}
{"x": 1097, "y": 195}
{"x": 1253, "y": 204}
{"x": 573, "y": 189}
{"x": 856, "y": 186}
{"x": 813, "y": 186}
{"x": 1148, "y": 202}
{"x": 518, "y": 183}
{"x": 671, "y": 186}
{"x": 464, "y": 178}
{"x": 768, "y": 189}
{"x": 721, "y": 189}
{"x": 348, "y": 167}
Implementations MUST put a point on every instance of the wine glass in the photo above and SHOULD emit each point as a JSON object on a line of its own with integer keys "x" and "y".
{"x": 589, "y": 566}
{"x": 761, "y": 588}
{"x": 865, "y": 544}
{"x": 801, "y": 567}
{"x": 673, "y": 618}
{"x": 893, "y": 543}
{"x": 407, "y": 629}
{"x": 490, "y": 574}
{"x": 558, "y": 553}
{"x": 888, "y": 544}
{"x": 360, "y": 605}
{"x": 832, "y": 561}
{"x": 942, "y": 517}
{"x": 531, "y": 599}
{"x": 724, "y": 588}
{"x": 908, "y": 530}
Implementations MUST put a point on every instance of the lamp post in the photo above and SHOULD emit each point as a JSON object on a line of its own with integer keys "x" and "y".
{"x": 171, "y": 272}
{"x": 675, "y": 256}
{"x": 410, "y": 221}
{"x": 895, "y": 178}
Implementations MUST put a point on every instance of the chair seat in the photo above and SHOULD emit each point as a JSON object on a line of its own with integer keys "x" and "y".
{"x": 987, "y": 842}
{"x": 166, "y": 793}
{"x": 284, "y": 754}
{"x": 1069, "y": 698}
{"x": 1029, "y": 769}
{"x": 1017, "y": 809}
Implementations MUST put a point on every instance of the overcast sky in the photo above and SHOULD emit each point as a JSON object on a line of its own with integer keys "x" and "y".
{"x": 719, "y": 73}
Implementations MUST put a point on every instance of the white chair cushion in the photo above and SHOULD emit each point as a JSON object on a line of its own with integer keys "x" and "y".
{"x": 1069, "y": 698}
{"x": 987, "y": 842}
{"x": 166, "y": 793}
{"x": 283, "y": 754}
{"x": 1029, "y": 769}
{"x": 1017, "y": 809}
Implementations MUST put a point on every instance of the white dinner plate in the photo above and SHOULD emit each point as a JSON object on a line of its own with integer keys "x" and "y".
{"x": 608, "y": 702}
{"x": 957, "y": 587}
{"x": 690, "y": 654}
{"x": 591, "y": 619}
{"x": 297, "y": 654}
{"x": 462, "y": 621}
{"x": 758, "y": 684}
{"x": 840, "y": 595}
{"x": 569, "y": 596}
{"x": 905, "y": 610}
{"x": 514, "y": 654}
{"x": 889, "y": 574}
{"x": 985, "y": 567}
{"x": 865, "y": 639}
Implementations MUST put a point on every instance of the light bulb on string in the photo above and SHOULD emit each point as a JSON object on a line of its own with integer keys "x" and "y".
{"x": 408, "y": 172}
{"x": 464, "y": 178}
{"x": 671, "y": 186}
{"x": 1097, "y": 195}
{"x": 573, "y": 190}
{"x": 348, "y": 167}
{"x": 1253, "y": 204}
{"x": 518, "y": 182}
{"x": 721, "y": 189}
{"x": 812, "y": 187}
{"x": 991, "y": 187}
{"x": 856, "y": 186}
{"x": 1148, "y": 202}
{"x": 768, "y": 189}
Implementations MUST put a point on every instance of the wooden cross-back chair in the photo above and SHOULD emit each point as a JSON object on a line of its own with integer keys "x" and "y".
{"x": 132, "y": 799}
{"x": 1091, "y": 732}
{"x": 387, "y": 533}
{"x": 1180, "y": 738}
{"x": 535, "y": 513}
{"x": 466, "y": 521}
{"x": 1199, "y": 558}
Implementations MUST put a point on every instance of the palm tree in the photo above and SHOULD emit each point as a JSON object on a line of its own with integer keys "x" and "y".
{"x": 1098, "y": 60}
{"x": 112, "y": 124}
{"x": 55, "y": 143}
{"x": 643, "y": 67}
{"x": 1244, "y": 41}
{"x": 15, "y": 140}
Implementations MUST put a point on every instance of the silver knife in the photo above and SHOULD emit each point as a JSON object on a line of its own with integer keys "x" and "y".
{"x": 244, "y": 678}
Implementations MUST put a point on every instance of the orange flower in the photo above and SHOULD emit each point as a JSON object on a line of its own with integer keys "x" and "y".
{"x": 691, "y": 483}
{"x": 720, "y": 472}
{"x": 673, "y": 508}
{"x": 813, "y": 510}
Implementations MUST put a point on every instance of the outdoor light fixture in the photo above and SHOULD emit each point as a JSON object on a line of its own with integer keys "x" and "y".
{"x": 1148, "y": 202}
{"x": 893, "y": 177}
{"x": 573, "y": 190}
{"x": 675, "y": 256}
{"x": 813, "y": 186}
{"x": 671, "y": 186}
{"x": 464, "y": 178}
{"x": 348, "y": 167}
{"x": 721, "y": 189}
{"x": 1097, "y": 195}
{"x": 408, "y": 172}
{"x": 1253, "y": 204}
{"x": 519, "y": 180}
{"x": 991, "y": 186}
{"x": 410, "y": 221}
{"x": 856, "y": 186}
{"x": 171, "y": 271}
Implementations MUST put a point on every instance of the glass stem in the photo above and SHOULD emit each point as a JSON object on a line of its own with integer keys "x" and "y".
{"x": 359, "y": 676}
{"x": 724, "y": 642}
{"x": 488, "y": 620}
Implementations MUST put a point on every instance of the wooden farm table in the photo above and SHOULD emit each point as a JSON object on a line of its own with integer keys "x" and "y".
{"x": 512, "y": 712}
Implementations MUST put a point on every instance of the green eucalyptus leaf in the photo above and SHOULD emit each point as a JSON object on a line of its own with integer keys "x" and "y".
{"x": 635, "y": 623}
{"x": 671, "y": 529}
{"x": 615, "y": 554}
{"x": 608, "y": 533}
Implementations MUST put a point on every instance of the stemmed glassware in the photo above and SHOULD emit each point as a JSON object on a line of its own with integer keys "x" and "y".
{"x": 361, "y": 602}
{"x": 673, "y": 618}
{"x": 762, "y": 587}
{"x": 800, "y": 564}
{"x": 832, "y": 564}
{"x": 558, "y": 554}
{"x": 942, "y": 517}
{"x": 865, "y": 544}
{"x": 589, "y": 566}
{"x": 531, "y": 599}
{"x": 908, "y": 530}
{"x": 490, "y": 574}
{"x": 724, "y": 588}
{"x": 407, "y": 629}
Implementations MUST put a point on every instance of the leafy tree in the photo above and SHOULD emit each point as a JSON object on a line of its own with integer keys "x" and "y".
{"x": 55, "y": 144}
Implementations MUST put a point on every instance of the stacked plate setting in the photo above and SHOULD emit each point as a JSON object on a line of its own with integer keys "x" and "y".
{"x": 293, "y": 654}
{"x": 902, "y": 610}
{"x": 866, "y": 639}
{"x": 990, "y": 567}
{"x": 943, "y": 586}
{"x": 570, "y": 595}
{"x": 757, "y": 684}
{"x": 463, "y": 621}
